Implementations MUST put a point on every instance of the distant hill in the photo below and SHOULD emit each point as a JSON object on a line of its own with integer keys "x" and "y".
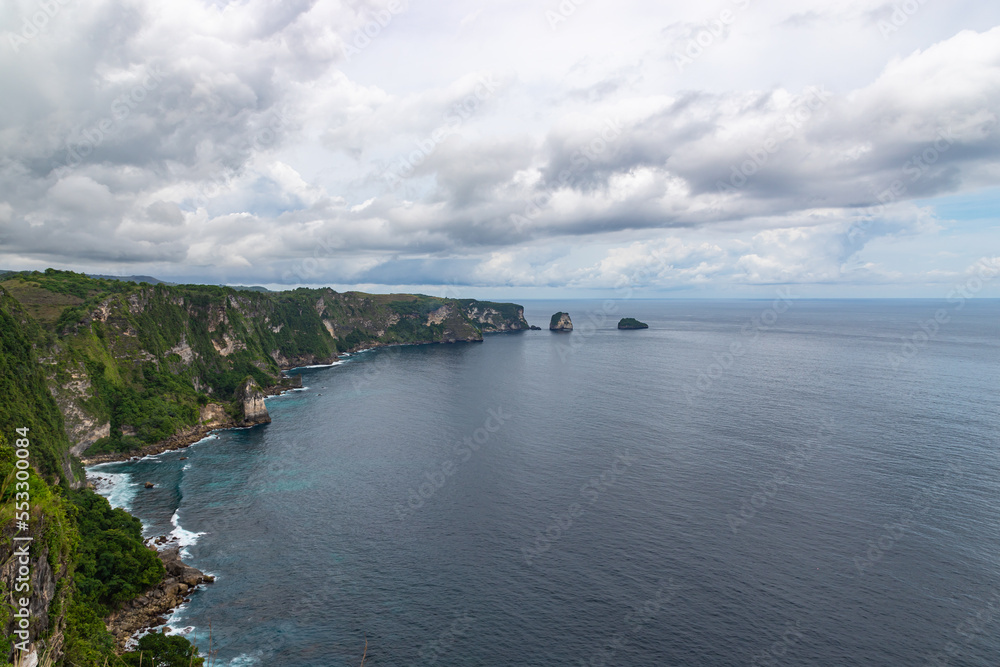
{"x": 132, "y": 279}
{"x": 245, "y": 288}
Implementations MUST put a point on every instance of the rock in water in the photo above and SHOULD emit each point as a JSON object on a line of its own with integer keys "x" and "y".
{"x": 560, "y": 322}
{"x": 631, "y": 323}
{"x": 252, "y": 397}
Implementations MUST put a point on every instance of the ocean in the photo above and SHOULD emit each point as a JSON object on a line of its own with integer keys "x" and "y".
{"x": 774, "y": 482}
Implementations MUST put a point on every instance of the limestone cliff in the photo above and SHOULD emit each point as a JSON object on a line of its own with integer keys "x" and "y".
{"x": 560, "y": 322}
{"x": 43, "y": 637}
{"x": 132, "y": 365}
{"x": 251, "y": 398}
{"x": 496, "y": 317}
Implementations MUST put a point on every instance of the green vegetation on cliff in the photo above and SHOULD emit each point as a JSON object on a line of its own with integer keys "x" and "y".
{"x": 85, "y": 558}
{"x": 132, "y": 364}
{"x": 26, "y": 401}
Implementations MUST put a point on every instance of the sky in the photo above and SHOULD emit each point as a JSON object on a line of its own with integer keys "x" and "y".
{"x": 516, "y": 149}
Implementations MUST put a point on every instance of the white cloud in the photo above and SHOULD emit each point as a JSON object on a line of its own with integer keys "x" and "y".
{"x": 237, "y": 139}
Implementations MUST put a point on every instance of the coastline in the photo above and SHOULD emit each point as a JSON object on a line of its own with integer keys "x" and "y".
{"x": 191, "y": 435}
{"x": 149, "y": 612}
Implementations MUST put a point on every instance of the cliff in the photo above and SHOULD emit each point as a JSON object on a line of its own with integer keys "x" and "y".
{"x": 81, "y": 555}
{"x": 108, "y": 368}
{"x": 560, "y": 322}
{"x": 251, "y": 398}
{"x": 131, "y": 365}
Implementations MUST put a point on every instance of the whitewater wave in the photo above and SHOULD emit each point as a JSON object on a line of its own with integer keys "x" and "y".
{"x": 117, "y": 487}
{"x": 336, "y": 363}
{"x": 183, "y": 538}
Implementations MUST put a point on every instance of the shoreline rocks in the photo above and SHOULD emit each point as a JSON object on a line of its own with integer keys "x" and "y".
{"x": 149, "y": 611}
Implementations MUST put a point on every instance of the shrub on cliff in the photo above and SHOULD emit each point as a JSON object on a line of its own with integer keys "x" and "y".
{"x": 113, "y": 563}
{"x": 163, "y": 651}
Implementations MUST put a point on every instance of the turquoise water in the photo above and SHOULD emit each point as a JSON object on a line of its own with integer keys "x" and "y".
{"x": 745, "y": 482}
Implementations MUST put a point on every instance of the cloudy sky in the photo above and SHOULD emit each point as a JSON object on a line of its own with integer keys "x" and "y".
{"x": 503, "y": 149}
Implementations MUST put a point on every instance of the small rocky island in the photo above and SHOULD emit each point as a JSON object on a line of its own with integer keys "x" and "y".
{"x": 560, "y": 322}
{"x": 631, "y": 323}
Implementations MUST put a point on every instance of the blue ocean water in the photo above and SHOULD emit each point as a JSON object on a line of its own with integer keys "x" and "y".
{"x": 778, "y": 482}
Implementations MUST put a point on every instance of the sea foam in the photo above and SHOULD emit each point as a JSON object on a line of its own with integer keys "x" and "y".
{"x": 117, "y": 487}
{"x": 183, "y": 538}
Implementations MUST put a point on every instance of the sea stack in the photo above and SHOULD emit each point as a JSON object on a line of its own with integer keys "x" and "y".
{"x": 631, "y": 323}
{"x": 560, "y": 322}
{"x": 252, "y": 398}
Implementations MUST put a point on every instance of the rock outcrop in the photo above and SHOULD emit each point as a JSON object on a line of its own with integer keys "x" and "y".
{"x": 631, "y": 323}
{"x": 251, "y": 398}
{"x": 41, "y": 593}
{"x": 495, "y": 317}
{"x": 561, "y": 322}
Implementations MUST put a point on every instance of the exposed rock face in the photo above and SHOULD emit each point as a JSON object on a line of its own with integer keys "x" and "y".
{"x": 496, "y": 317}
{"x": 82, "y": 428}
{"x": 560, "y": 322}
{"x": 41, "y": 594}
{"x": 251, "y": 396}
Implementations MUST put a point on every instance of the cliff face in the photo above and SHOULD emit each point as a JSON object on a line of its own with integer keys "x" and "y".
{"x": 251, "y": 397}
{"x": 132, "y": 365}
{"x": 40, "y": 636}
{"x": 560, "y": 322}
{"x": 495, "y": 317}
